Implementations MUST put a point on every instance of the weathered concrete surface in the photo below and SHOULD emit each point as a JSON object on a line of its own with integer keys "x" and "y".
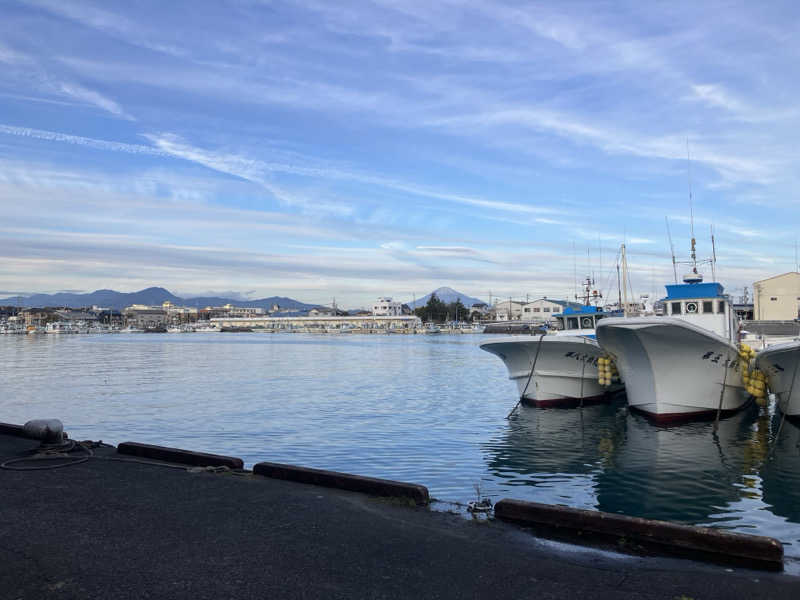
{"x": 177, "y": 455}
{"x": 345, "y": 481}
{"x": 111, "y": 529}
{"x": 764, "y": 552}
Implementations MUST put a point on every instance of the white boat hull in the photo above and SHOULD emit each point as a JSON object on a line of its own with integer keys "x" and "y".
{"x": 781, "y": 364}
{"x": 565, "y": 372}
{"x": 674, "y": 370}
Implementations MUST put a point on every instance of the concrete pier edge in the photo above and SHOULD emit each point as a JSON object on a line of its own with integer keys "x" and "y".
{"x": 344, "y": 481}
{"x": 177, "y": 455}
{"x": 761, "y": 550}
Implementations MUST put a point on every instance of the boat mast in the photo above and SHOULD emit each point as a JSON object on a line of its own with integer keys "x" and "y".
{"x": 713, "y": 256}
{"x": 624, "y": 281}
{"x": 671, "y": 249}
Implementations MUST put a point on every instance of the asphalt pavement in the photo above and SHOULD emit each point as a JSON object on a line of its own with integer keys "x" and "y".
{"x": 112, "y": 528}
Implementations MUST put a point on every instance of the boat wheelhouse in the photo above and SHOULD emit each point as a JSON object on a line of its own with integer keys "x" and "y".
{"x": 702, "y": 304}
{"x": 583, "y": 320}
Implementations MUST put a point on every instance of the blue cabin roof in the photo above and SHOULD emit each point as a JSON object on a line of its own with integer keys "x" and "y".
{"x": 579, "y": 311}
{"x": 683, "y": 291}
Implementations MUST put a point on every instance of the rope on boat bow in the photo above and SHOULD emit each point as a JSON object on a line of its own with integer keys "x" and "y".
{"x": 530, "y": 376}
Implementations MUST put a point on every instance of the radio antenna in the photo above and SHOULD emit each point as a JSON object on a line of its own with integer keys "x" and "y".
{"x": 713, "y": 256}
{"x": 672, "y": 250}
{"x": 691, "y": 207}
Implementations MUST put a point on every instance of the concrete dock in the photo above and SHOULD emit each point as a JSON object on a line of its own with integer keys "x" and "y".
{"x": 110, "y": 527}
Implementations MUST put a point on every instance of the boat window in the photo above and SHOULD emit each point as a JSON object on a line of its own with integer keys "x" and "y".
{"x": 572, "y": 323}
{"x": 676, "y": 308}
{"x": 721, "y": 307}
{"x": 708, "y": 306}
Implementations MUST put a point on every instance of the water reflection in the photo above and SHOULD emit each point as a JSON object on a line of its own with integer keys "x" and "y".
{"x": 780, "y": 475}
{"x": 612, "y": 460}
{"x": 557, "y": 453}
{"x": 683, "y": 473}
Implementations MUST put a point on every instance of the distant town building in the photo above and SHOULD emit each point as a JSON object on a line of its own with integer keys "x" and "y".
{"x": 76, "y": 315}
{"x": 230, "y": 311}
{"x": 146, "y": 317}
{"x": 777, "y": 298}
{"x": 544, "y": 308}
{"x": 508, "y": 310}
{"x": 36, "y": 317}
{"x": 386, "y": 307}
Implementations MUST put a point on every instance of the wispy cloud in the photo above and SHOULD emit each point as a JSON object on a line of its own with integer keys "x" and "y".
{"x": 398, "y": 140}
{"x": 253, "y": 169}
{"x": 716, "y": 96}
{"x": 78, "y": 140}
{"x": 91, "y": 97}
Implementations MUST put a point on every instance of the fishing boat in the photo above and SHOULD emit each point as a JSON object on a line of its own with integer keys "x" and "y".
{"x": 557, "y": 369}
{"x": 781, "y": 365}
{"x": 683, "y": 365}
{"x": 430, "y": 328}
{"x": 61, "y": 327}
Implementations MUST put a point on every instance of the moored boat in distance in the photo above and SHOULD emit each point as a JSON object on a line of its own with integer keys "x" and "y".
{"x": 684, "y": 365}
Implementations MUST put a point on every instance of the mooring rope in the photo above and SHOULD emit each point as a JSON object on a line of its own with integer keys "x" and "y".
{"x": 722, "y": 393}
{"x": 530, "y": 376}
{"x": 54, "y": 452}
{"x": 783, "y": 410}
{"x": 583, "y": 372}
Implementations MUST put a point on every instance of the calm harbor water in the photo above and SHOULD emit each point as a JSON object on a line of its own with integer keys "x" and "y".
{"x": 426, "y": 409}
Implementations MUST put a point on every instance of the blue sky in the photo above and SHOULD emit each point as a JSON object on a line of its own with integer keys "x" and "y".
{"x": 356, "y": 149}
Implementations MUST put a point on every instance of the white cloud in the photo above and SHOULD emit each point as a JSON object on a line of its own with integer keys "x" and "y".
{"x": 91, "y": 97}
{"x": 80, "y": 140}
{"x": 716, "y": 96}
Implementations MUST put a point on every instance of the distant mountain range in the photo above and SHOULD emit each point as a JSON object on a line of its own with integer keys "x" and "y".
{"x": 446, "y": 295}
{"x": 151, "y": 296}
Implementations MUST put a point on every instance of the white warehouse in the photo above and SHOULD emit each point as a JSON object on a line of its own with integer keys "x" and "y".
{"x": 386, "y": 307}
